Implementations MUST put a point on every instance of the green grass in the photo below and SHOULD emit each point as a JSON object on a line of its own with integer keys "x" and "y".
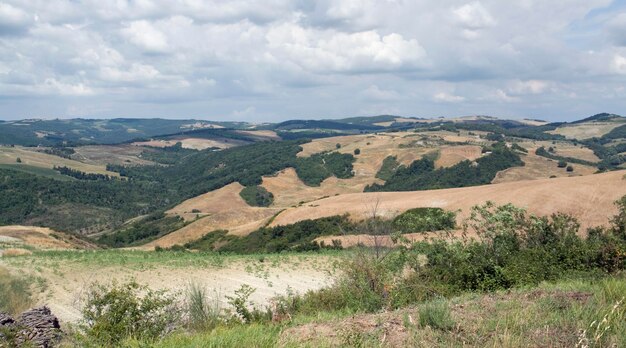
{"x": 142, "y": 260}
{"x": 551, "y": 315}
{"x": 254, "y": 335}
{"x": 45, "y": 172}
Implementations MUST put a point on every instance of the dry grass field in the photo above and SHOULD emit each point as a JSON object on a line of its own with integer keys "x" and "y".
{"x": 32, "y": 157}
{"x": 188, "y": 143}
{"x": 40, "y": 238}
{"x": 586, "y": 130}
{"x": 451, "y": 155}
{"x": 589, "y": 198}
{"x": 113, "y": 154}
{"x": 537, "y": 167}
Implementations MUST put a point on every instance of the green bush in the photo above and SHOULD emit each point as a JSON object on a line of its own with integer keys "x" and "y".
{"x": 436, "y": 315}
{"x": 115, "y": 312}
{"x": 424, "y": 220}
{"x": 562, "y": 164}
{"x": 257, "y": 196}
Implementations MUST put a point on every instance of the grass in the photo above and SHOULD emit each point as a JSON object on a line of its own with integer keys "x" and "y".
{"x": 15, "y": 293}
{"x": 45, "y": 172}
{"x": 572, "y": 313}
{"x": 149, "y": 260}
{"x": 253, "y": 335}
{"x": 436, "y": 315}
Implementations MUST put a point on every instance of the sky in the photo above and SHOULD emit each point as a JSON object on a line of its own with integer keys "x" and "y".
{"x": 274, "y": 60}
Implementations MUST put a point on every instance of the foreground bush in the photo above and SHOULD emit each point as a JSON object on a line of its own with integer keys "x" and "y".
{"x": 115, "y": 312}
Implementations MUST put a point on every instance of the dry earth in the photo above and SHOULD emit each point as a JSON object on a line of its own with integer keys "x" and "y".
{"x": 66, "y": 281}
{"x": 589, "y": 198}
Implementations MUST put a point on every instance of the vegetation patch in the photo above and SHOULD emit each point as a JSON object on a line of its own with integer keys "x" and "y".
{"x": 146, "y": 229}
{"x": 424, "y": 220}
{"x": 422, "y": 175}
{"x": 257, "y": 196}
{"x": 388, "y": 168}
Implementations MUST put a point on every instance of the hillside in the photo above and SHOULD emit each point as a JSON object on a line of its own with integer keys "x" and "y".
{"x": 588, "y": 198}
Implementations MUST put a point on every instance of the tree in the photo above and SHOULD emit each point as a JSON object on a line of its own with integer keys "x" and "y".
{"x": 18, "y": 160}
{"x": 338, "y": 146}
{"x": 562, "y": 164}
{"x": 570, "y": 168}
{"x": 357, "y": 151}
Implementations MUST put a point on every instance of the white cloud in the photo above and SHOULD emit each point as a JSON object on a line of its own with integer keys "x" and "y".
{"x": 146, "y": 36}
{"x": 474, "y": 16}
{"x": 448, "y": 98}
{"x": 518, "y": 87}
{"x": 619, "y": 64}
{"x": 311, "y": 58}
{"x": 52, "y": 86}
{"x": 329, "y": 50}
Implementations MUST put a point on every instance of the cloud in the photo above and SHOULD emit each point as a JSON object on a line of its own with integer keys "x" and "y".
{"x": 473, "y": 17}
{"x": 376, "y": 93}
{"x": 448, "y": 98}
{"x": 317, "y": 58}
{"x": 332, "y": 51}
{"x": 619, "y": 64}
{"x": 144, "y": 35}
{"x": 13, "y": 20}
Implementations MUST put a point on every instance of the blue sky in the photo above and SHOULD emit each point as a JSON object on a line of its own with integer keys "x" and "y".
{"x": 275, "y": 59}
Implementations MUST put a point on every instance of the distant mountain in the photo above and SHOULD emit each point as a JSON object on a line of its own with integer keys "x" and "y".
{"x": 603, "y": 117}
{"x": 325, "y": 124}
{"x": 35, "y": 132}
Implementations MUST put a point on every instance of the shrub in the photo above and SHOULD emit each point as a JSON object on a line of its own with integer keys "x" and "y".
{"x": 244, "y": 309}
{"x": 424, "y": 219}
{"x": 115, "y": 312}
{"x": 357, "y": 151}
{"x": 338, "y": 146}
{"x": 18, "y": 160}
{"x": 570, "y": 169}
{"x": 203, "y": 312}
{"x": 436, "y": 315}
{"x": 562, "y": 164}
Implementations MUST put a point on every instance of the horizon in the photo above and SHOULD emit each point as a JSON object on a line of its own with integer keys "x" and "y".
{"x": 301, "y": 119}
{"x": 268, "y": 62}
